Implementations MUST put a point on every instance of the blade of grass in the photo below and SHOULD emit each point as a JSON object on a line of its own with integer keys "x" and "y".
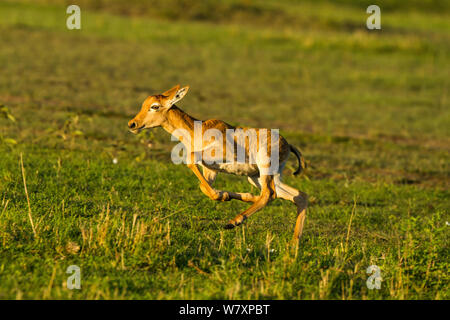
{"x": 26, "y": 193}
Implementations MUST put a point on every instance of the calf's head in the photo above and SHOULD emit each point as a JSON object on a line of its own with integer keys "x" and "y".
{"x": 154, "y": 109}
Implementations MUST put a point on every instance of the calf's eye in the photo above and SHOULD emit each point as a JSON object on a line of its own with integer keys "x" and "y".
{"x": 154, "y": 107}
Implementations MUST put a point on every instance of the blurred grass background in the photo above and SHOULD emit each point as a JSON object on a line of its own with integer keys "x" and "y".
{"x": 369, "y": 109}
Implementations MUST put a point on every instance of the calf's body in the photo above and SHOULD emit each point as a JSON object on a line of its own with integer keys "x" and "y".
{"x": 258, "y": 146}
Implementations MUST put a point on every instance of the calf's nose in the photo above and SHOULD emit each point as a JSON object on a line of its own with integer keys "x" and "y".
{"x": 132, "y": 124}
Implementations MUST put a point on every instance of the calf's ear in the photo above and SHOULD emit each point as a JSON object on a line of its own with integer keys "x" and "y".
{"x": 175, "y": 94}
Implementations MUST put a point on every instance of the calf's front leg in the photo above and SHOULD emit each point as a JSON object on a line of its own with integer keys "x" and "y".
{"x": 208, "y": 177}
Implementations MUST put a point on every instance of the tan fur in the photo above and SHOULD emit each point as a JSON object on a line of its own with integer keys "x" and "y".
{"x": 171, "y": 118}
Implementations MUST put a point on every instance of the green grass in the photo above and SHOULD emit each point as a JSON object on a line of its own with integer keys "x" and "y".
{"x": 369, "y": 110}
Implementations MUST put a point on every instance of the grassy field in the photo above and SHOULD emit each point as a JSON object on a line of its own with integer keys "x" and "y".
{"x": 369, "y": 109}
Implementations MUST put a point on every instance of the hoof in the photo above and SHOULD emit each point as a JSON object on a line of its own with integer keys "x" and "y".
{"x": 225, "y": 196}
{"x": 229, "y": 226}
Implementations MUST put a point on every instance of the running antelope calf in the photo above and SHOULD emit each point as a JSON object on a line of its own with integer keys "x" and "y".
{"x": 264, "y": 150}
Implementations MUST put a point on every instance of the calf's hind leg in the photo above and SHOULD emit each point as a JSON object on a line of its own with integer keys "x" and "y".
{"x": 267, "y": 194}
{"x": 300, "y": 199}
